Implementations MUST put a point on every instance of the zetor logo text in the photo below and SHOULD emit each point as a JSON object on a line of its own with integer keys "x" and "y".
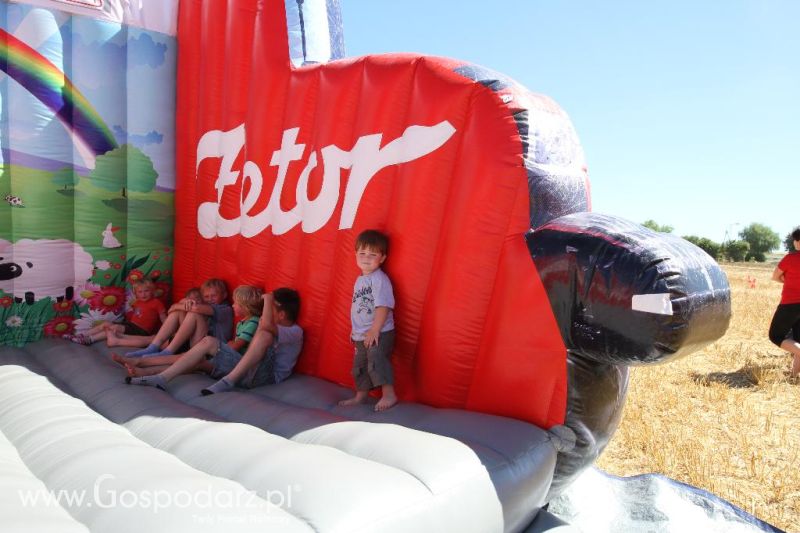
{"x": 364, "y": 160}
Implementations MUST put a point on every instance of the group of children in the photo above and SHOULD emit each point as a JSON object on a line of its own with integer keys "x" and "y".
{"x": 194, "y": 333}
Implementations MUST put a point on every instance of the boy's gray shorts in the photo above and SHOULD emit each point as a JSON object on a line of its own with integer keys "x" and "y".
{"x": 371, "y": 366}
{"x": 227, "y": 358}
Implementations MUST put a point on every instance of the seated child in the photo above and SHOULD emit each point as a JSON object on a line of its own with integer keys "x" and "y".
{"x": 144, "y": 318}
{"x": 269, "y": 358}
{"x": 246, "y": 304}
{"x": 115, "y": 338}
{"x": 192, "y": 322}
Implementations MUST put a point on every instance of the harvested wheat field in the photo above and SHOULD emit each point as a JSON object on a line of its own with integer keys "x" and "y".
{"x": 726, "y": 419}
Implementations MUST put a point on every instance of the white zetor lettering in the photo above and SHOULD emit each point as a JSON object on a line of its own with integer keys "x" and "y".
{"x": 364, "y": 160}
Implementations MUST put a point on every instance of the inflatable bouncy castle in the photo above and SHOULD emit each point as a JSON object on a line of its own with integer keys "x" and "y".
{"x": 182, "y": 141}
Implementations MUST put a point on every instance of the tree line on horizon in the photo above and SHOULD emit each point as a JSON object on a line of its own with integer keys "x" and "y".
{"x": 754, "y": 243}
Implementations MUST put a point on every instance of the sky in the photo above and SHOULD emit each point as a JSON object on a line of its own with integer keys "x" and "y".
{"x": 688, "y": 111}
{"x": 127, "y": 74}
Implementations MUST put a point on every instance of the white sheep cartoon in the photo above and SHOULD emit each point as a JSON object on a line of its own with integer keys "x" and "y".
{"x": 43, "y": 268}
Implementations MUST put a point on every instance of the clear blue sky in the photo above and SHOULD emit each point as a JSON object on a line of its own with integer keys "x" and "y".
{"x": 688, "y": 111}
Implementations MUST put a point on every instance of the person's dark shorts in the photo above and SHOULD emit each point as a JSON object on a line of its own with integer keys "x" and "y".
{"x": 785, "y": 320}
{"x": 226, "y": 359}
{"x": 133, "y": 329}
{"x": 372, "y": 366}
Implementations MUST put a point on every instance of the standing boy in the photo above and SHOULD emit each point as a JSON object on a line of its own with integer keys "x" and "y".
{"x": 371, "y": 314}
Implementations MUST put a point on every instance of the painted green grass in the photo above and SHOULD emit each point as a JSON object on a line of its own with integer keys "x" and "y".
{"x": 21, "y": 323}
{"x": 81, "y": 214}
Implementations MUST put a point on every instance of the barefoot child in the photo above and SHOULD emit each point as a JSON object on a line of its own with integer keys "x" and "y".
{"x": 371, "y": 314}
{"x": 144, "y": 318}
{"x": 115, "y": 338}
{"x": 268, "y": 358}
{"x": 193, "y": 322}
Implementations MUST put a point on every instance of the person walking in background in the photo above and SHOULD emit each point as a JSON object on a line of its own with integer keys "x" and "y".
{"x": 784, "y": 331}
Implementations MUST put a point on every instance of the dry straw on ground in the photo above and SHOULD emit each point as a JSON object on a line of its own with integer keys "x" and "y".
{"x": 726, "y": 419}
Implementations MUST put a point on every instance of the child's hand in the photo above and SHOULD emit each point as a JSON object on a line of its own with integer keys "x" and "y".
{"x": 371, "y": 338}
{"x": 188, "y": 304}
{"x": 267, "y": 297}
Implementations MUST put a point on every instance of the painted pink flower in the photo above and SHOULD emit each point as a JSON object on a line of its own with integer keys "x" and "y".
{"x": 109, "y": 299}
{"x": 83, "y": 294}
{"x": 155, "y": 274}
{"x": 60, "y": 325}
{"x": 135, "y": 275}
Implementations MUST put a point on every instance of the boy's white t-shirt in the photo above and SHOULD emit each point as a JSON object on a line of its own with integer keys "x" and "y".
{"x": 371, "y": 291}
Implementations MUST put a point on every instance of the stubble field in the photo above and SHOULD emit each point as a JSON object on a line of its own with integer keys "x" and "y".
{"x": 726, "y": 419}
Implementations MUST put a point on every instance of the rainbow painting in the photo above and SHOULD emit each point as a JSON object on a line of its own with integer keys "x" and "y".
{"x": 54, "y": 89}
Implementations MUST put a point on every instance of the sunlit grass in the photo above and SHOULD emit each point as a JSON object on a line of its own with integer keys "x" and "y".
{"x": 726, "y": 419}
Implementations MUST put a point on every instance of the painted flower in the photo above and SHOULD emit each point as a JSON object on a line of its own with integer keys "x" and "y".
{"x": 60, "y": 325}
{"x": 108, "y": 299}
{"x": 117, "y": 266}
{"x": 14, "y": 321}
{"x": 107, "y": 276}
{"x": 130, "y": 298}
{"x": 84, "y": 293}
{"x": 161, "y": 291}
{"x": 155, "y": 274}
{"x": 135, "y": 275}
{"x": 122, "y": 256}
{"x": 103, "y": 264}
{"x": 6, "y": 301}
{"x": 93, "y": 318}
{"x": 64, "y": 306}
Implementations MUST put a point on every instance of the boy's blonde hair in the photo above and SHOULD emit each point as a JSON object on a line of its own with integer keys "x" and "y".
{"x": 249, "y": 299}
{"x": 142, "y": 284}
{"x": 216, "y": 283}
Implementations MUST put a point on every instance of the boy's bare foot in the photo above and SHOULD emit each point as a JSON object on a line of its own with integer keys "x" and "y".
{"x": 386, "y": 402}
{"x": 125, "y": 361}
{"x": 111, "y": 338}
{"x": 355, "y": 400}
